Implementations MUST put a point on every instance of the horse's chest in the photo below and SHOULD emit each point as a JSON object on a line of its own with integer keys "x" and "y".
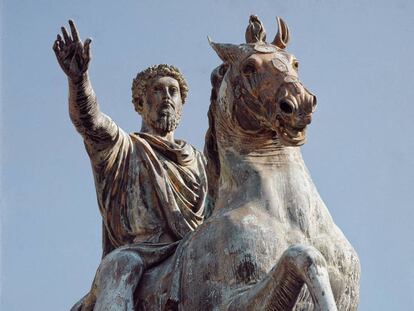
{"x": 242, "y": 247}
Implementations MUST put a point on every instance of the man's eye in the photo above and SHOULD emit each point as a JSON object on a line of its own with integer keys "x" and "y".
{"x": 173, "y": 90}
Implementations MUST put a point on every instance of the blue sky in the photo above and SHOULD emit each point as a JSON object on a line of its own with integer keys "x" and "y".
{"x": 356, "y": 56}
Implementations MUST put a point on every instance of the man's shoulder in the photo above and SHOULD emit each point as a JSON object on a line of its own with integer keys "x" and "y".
{"x": 184, "y": 143}
{"x": 199, "y": 154}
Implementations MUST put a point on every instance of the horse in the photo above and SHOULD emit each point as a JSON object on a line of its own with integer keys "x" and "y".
{"x": 270, "y": 243}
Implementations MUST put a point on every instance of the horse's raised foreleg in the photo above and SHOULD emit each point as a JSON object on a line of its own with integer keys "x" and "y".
{"x": 280, "y": 289}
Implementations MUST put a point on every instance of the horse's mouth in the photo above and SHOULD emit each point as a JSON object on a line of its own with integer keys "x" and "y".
{"x": 290, "y": 135}
{"x": 293, "y": 137}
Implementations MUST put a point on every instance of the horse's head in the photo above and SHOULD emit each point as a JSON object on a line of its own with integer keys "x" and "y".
{"x": 259, "y": 83}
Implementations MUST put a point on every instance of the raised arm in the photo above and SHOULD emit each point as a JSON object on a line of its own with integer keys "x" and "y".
{"x": 97, "y": 129}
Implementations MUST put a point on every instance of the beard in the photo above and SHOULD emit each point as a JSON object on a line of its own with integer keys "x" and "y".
{"x": 166, "y": 122}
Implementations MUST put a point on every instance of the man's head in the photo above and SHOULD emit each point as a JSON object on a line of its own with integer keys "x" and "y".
{"x": 158, "y": 94}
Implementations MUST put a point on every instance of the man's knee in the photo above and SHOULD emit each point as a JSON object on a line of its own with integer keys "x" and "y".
{"x": 121, "y": 263}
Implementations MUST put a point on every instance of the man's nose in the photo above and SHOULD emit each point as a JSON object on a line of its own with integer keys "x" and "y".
{"x": 166, "y": 94}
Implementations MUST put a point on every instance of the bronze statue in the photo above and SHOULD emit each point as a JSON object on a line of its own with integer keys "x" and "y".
{"x": 270, "y": 243}
{"x": 151, "y": 188}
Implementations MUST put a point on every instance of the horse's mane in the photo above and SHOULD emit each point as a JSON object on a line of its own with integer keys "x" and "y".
{"x": 210, "y": 147}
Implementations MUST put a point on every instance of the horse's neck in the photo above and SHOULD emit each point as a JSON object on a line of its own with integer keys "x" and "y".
{"x": 272, "y": 183}
{"x": 252, "y": 158}
{"x": 252, "y": 170}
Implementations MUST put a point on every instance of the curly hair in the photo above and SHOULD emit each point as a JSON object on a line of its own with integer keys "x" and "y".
{"x": 139, "y": 84}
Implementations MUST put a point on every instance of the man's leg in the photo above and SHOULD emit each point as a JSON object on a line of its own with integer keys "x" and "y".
{"x": 115, "y": 282}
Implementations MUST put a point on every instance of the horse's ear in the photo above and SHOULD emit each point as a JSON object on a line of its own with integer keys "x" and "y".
{"x": 282, "y": 37}
{"x": 255, "y": 31}
{"x": 228, "y": 53}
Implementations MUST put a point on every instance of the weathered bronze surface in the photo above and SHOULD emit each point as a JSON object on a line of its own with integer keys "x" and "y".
{"x": 270, "y": 243}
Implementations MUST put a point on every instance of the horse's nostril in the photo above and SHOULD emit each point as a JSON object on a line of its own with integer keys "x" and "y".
{"x": 286, "y": 107}
{"x": 308, "y": 119}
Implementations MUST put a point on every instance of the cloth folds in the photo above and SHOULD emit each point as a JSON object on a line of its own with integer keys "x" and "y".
{"x": 149, "y": 190}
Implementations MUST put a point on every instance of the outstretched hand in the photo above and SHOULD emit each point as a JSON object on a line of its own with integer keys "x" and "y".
{"x": 73, "y": 55}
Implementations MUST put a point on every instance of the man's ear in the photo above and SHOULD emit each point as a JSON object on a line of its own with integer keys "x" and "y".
{"x": 139, "y": 105}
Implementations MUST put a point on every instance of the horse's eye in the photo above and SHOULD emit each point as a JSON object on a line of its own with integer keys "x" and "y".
{"x": 296, "y": 65}
{"x": 249, "y": 69}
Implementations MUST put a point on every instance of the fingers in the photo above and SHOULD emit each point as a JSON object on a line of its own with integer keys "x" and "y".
{"x": 60, "y": 41}
{"x": 75, "y": 34}
{"x": 86, "y": 49}
{"x": 73, "y": 56}
{"x": 88, "y": 41}
{"x": 58, "y": 45}
{"x": 67, "y": 38}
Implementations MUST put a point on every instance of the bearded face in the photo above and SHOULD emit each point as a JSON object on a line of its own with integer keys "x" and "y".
{"x": 163, "y": 105}
{"x": 168, "y": 117}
